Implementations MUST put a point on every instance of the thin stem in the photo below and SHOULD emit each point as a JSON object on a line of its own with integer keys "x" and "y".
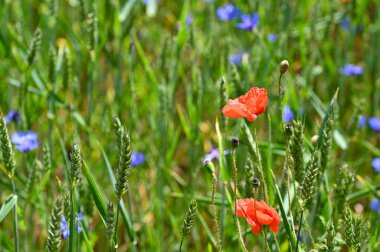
{"x": 281, "y": 98}
{"x": 265, "y": 239}
{"x": 235, "y": 191}
{"x": 15, "y": 220}
{"x": 180, "y": 246}
{"x": 299, "y": 230}
{"x": 73, "y": 230}
{"x": 214, "y": 187}
{"x": 288, "y": 193}
{"x": 260, "y": 168}
{"x": 117, "y": 222}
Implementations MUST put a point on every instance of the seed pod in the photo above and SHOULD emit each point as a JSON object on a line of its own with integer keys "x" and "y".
{"x": 284, "y": 65}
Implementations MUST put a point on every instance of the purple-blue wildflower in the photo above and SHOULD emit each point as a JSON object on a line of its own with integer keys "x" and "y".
{"x": 228, "y": 12}
{"x": 272, "y": 37}
{"x": 237, "y": 58}
{"x": 287, "y": 114}
{"x": 374, "y": 123}
{"x": 64, "y": 228}
{"x": 351, "y": 69}
{"x": 137, "y": 159}
{"x": 248, "y": 22}
{"x": 362, "y": 121}
{"x": 345, "y": 24}
{"x": 376, "y": 164}
{"x": 214, "y": 154}
{"x": 13, "y": 116}
{"x": 189, "y": 19}
{"x": 375, "y": 205}
{"x": 25, "y": 141}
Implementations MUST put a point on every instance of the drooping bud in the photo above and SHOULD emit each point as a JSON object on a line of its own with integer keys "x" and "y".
{"x": 284, "y": 65}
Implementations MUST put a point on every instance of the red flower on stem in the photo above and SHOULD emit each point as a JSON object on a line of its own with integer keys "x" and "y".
{"x": 258, "y": 213}
{"x": 249, "y": 105}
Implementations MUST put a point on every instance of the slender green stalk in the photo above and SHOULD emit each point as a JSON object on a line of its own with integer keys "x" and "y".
{"x": 116, "y": 223}
{"x": 299, "y": 230}
{"x": 235, "y": 201}
{"x": 73, "y": 230}
{"x": 15, "y": 219}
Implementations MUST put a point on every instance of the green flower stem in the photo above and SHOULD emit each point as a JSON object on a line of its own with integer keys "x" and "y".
{"x": 235, "y": 191}
{"x": 73, "y": 231}
{"x": 299, "y": 230}
{"x": 15, "y": 220}
{"x": 117, "y": 222}
{"x": 215, "y": 218}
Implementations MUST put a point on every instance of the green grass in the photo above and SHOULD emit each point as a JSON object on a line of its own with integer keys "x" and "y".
{"x": 162, "y": 78}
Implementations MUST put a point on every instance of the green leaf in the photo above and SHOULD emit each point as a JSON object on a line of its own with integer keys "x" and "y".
{"x": 95, "y": 192}
{"x": 7, "y": 206}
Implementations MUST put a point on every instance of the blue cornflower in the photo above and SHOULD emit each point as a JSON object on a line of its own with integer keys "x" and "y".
{"x": 64, "y": 228}
{"x": 13, "y": 116}
{"x": 25, "y": 141}
{"x": 189, "y": 19}
{"x": 345, "y": 24}
{"x": 228, "y": 12}
{"x": 237, "y": 58}
{"x": 248, "y": 22}
{"x": 214, "y": 154}
{"x": 272, "y": 37}
{"x": 376, "y": 164}
{"x": 287, "y": 114}
{"x": 374, "y": 123}
{"x": 375, "y": 205}
{"x": 351, "y": 69}
{"x": 137, "y": 159}
{"x": 362, "y": 121}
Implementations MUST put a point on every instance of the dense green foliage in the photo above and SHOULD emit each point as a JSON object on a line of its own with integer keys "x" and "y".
{"x": 116, "y": 77}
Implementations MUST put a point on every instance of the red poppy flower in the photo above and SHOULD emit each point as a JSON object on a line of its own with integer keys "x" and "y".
{"x": 258, "y": 213}
{"x": 249, "y": 105}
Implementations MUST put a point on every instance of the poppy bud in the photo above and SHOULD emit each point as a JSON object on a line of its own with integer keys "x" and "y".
{"x": 235, "y": 142}
{"x": 284, "y": 65}
{"x": 256, "y": 183}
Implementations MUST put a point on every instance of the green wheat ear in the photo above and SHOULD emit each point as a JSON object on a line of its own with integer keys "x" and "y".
{"x": 296, "y": 150}
{"x": 46, "y": 157}
{"x": 330, "y": 236}
{"x": 66, "y": 75}
{"x": 307, "y": 187}
{"x": 124, "y": 168}
{"x": 348, "y": 228}
{"x": 326, "y": 139}
{"x": 76, "y": 165}
{"x": 110, "y": 223}
{"x": 343, "y": 186}
{"x": 6, "y": 147}
{"x": 66, "y": 203}
{"x": 51, "y": 67}
{"x": 189, "y": 219}
{"x": 55, "y": 234}
{"x": 34, "y": 45}
{"x": 223, "y": 96}
{"x": 91, "y": 30}
{"x": 358, "y": 228}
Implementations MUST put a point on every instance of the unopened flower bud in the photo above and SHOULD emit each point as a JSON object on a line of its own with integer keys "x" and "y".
{"x": 256, "y": 183}
{"x": 235, "y": 142}
{"x": 284, "y": 65}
